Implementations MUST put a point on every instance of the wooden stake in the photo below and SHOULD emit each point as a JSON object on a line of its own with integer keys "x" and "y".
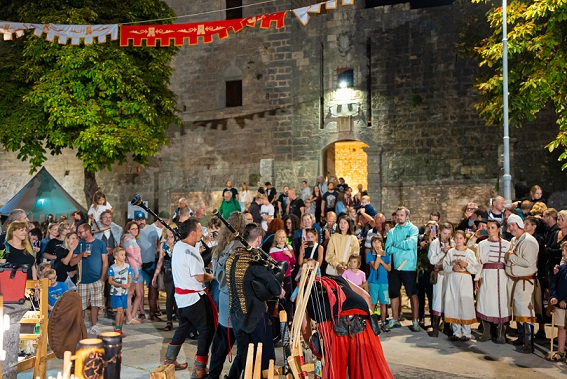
{"x": 271, "y": 369}
{"x": 67, "y": 365}
{"x": 249, "y": 362}
{"x": 258, "y": 363}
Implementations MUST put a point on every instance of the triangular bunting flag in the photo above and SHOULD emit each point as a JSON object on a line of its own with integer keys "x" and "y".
{"x": 76, "y": 33}
{"x": 9, "y": 28}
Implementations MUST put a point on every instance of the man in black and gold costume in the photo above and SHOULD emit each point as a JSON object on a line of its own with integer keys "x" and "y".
{"x": 250, "y": 284}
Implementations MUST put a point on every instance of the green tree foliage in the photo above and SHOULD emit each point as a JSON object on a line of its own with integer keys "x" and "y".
{"x": 106, "y": 102}
{"x": 537, "y": 45}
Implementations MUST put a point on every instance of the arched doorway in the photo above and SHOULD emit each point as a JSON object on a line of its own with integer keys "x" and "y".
{"x": 347, "y": 159}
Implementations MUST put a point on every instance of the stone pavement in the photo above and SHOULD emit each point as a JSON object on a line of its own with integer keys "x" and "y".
{"x": 410, "y": 355}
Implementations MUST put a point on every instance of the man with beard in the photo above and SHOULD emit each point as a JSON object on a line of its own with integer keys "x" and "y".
{"x": 521, "y": 266}
{"x": 401, "y": 244}
{"x": 283, "y": 202}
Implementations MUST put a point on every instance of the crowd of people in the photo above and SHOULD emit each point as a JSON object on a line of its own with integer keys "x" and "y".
{"x": 496, "y": 265}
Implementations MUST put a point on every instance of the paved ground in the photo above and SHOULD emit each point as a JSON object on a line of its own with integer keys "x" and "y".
{"x": 410, "y": 355}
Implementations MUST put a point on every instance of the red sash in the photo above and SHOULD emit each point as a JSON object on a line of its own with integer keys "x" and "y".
{"x": 182, "y": 291}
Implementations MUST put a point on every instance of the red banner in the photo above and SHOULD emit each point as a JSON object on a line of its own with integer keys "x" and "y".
{"x": 190, "y": 33}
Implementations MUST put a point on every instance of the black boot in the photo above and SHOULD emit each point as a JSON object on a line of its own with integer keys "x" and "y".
{"x": 447, "y": 329}
{"x": 520, "y": 340}
{"x": 501, "y": 336}
{"x": 485, "y": 332}
{"x": 171, "y": 357}
{"x": 435, "y": 326}
{"x": 528, "y": 346}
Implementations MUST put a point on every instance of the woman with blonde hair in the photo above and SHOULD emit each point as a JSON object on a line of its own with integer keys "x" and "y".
{"x": 18, "y": 249}
{"x": 538, "y": 209}
{"x": 282, "y": 251}
{"x": 134, "y": 259}
{"x": 245, "y": 197}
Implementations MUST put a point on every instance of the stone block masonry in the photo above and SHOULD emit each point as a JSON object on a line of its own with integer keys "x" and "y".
{"x": 411, "y": 103}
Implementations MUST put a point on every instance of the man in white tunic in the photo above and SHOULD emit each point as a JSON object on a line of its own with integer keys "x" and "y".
{"x": 521, "y": 266}
{"x": 438, "y": 248}
{"x": 492, "y": 305}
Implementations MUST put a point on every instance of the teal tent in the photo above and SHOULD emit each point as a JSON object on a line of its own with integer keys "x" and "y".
{"x": 42, "y": 196}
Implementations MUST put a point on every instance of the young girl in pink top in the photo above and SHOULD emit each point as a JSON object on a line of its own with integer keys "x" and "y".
{"x": 354, "y": 274}
{"x": 281, "y": 251}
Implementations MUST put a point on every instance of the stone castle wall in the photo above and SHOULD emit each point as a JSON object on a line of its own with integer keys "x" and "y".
{"x": 412, "y": 103}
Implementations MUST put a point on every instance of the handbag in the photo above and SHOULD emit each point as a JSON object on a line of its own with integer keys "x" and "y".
{"x": 433, "y": 277}
{"x": 333, "y": 271}
{"x": 13, "y": 282}
{"x": 161, "y": 282}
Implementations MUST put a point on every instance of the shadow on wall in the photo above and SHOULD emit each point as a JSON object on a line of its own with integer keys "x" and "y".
{"x": 558, "y": 200}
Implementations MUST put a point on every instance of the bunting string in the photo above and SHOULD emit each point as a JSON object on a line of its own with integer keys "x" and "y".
{"x": 164, "y": 34}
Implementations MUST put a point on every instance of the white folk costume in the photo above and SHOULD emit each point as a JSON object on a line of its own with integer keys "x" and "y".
{"x": 493, "y": 301}
{"x": 521, "y": 267}
{"x": 459, "y": 297}
{"x": 436, "y": 256}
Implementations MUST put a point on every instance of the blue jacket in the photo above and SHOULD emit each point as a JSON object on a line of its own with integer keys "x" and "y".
{"x": 558, "y": 285}
{"x": 401, "y": 244}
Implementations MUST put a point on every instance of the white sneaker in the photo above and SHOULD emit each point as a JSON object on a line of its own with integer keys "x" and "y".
{"x": 95, "y": 330}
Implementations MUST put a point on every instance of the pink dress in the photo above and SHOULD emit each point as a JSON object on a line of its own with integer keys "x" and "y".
{"x": 358, "y": 278}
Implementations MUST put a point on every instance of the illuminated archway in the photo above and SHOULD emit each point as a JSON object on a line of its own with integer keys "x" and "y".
{"x": 347, "y": 159}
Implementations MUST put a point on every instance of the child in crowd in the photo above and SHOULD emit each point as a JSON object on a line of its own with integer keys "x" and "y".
{"x": 353, "y": 273}
{"x": 43, "y": 269}
{"x": 282, "y": 251}
{"x": 380, "y": 265}
{"x": 310, "y": 249}
{"x": 310, "y": 206}
{"x": 119, "y": 277}
{"x": 459, "y": 263}
{"x": 558, "y": 292}
{"x": 56, "y": 289}
{"x": 365, "y": 204}
{"x": 98, "y": 206}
